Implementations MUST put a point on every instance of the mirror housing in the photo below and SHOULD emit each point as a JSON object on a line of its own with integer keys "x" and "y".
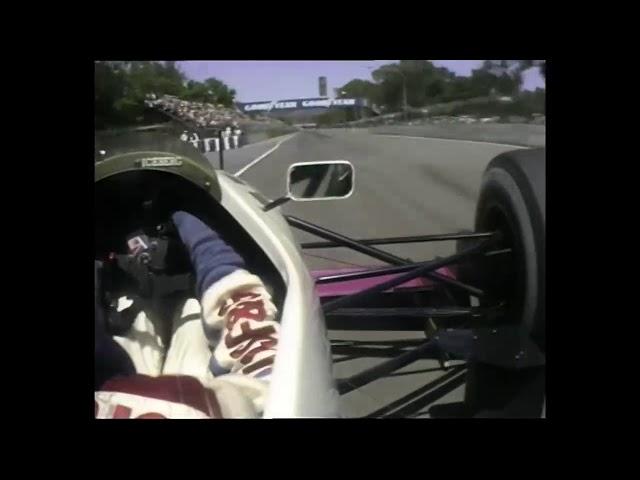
{"x": 327, "y": 180}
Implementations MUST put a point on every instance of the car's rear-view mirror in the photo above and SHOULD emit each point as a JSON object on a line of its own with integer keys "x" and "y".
{"x": 327, "y": 180}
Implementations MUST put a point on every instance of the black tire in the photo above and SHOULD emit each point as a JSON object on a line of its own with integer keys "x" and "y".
{"x": 512, "y": 201}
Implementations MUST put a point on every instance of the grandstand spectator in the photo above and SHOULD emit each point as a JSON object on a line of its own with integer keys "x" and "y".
{"x": 201, "y": 116}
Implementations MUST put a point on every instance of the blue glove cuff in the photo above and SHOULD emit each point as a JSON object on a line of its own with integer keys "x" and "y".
{"x": 211, "y": 257}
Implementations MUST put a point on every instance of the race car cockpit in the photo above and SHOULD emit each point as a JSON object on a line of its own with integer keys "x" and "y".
{"x": 141, "y": 179}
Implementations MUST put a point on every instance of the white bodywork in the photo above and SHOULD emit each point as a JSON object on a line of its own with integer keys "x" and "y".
{"x": 302, "y": 382}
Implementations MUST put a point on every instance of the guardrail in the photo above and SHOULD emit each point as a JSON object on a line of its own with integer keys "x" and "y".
{"x": 527, "y": 135}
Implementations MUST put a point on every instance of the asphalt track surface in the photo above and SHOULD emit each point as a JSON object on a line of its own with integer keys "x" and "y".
{"x": 403, "y": 186}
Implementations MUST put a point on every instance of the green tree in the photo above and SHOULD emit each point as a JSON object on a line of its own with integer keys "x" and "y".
{"x": 508, "y": 73}
{"x": 458, "y": 88}
{"x": 110, "y": 86}
{"x": 211, "y": 90}
{"x": 122, "y": 87}
{"x": 424, "y": 82}
{"x": 390, "y": 80}
{"x": 427, "y": 84}
{"x": 221, "y": 92}
{"x": 359, "y": 88}
{"x": 495, "y": 77}
{"x": 196, "y": 92}
{"x": 154, "y": 77}
{"x": 541, "y": 65}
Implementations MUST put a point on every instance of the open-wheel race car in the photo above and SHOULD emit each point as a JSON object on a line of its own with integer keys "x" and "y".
{"x": 485, "y": 304}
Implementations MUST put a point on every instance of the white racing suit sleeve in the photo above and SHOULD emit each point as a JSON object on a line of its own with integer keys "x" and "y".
{"x": 239, "y": 322}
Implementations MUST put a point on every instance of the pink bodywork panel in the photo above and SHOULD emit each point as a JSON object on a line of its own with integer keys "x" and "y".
{"x": 353, "y": 286}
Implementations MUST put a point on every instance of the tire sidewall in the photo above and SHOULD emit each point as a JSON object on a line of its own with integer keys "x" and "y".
{"x": 506, "y": 188}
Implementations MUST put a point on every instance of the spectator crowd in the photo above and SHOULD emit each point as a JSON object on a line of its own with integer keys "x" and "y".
{"x": 201, "y": 115}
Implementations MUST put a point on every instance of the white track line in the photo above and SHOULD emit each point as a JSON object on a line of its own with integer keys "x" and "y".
{"x": 451, "y": 140}
{"x": 264, "y": 155}
{"x": 267, "y": 140}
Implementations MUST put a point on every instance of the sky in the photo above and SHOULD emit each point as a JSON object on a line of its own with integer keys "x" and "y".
{"x": 256, "y": 80}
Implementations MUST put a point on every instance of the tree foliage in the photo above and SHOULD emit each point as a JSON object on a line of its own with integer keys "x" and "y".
{"x": 427, "y": 84}
{"x": 211, "y": 90}
{"x": 360, "y": 89}
{"x": 122, "y": 87}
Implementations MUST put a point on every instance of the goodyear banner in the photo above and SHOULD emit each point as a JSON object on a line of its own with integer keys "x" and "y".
{"x": 300, "y": 103}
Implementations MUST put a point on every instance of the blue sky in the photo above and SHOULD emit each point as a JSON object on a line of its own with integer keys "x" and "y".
{"x": 281, "y": 79}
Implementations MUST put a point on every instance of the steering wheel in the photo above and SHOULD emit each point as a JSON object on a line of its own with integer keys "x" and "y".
{"x": 156, "y": 266}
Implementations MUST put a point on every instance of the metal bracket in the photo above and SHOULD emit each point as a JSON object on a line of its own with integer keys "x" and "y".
{"x": 276, "y": 203}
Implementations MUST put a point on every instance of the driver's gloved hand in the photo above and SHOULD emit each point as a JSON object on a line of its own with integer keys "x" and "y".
{"x": 211, "y": 257}
{"x": 235, "y": 304}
